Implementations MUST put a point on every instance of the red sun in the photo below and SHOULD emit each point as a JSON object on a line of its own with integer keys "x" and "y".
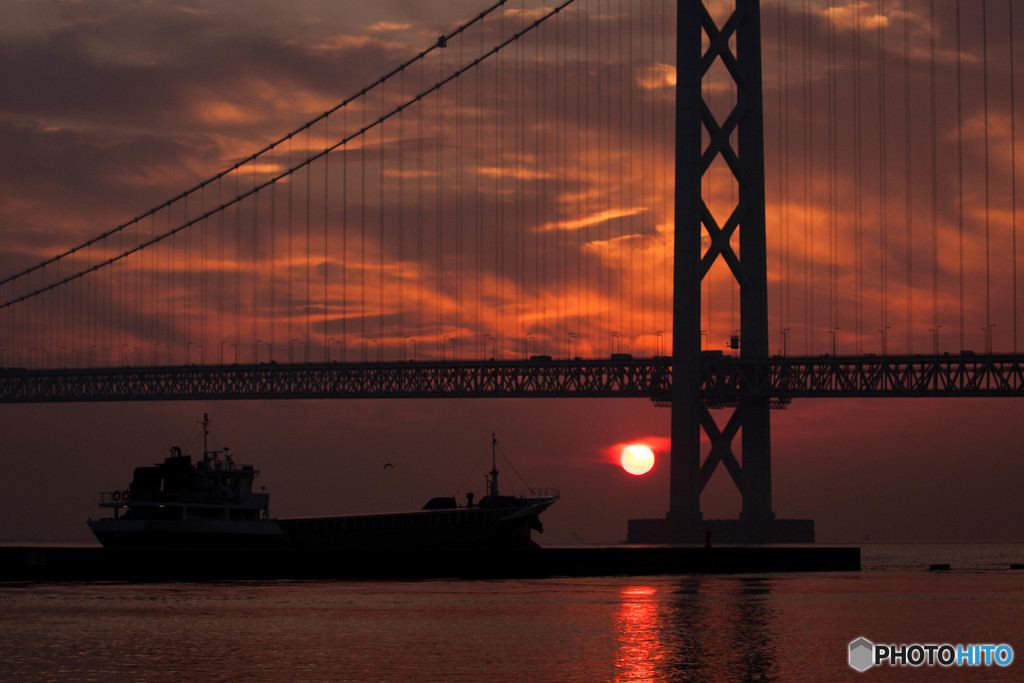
{"x": 637, "y": 459}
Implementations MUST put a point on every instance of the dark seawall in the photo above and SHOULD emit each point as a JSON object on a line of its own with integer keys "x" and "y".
{"x": 105, "y": 564}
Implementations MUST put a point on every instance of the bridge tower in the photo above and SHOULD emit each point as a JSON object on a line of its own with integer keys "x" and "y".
{"x": 750, "y": 417}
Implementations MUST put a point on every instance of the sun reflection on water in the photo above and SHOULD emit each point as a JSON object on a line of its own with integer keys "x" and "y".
{"x": 639, "y": 630}
{"x": 700, "y": 629}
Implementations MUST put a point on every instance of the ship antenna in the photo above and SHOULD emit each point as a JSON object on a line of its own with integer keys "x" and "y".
{"x": 206, "y": 432}
{"x": 494, "y": 465}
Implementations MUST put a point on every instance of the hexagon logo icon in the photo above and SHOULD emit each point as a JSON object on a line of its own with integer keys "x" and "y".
{"x": 862, "y": 654}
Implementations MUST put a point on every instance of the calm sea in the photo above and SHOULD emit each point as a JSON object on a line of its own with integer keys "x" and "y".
{"x": 786, "y": 627}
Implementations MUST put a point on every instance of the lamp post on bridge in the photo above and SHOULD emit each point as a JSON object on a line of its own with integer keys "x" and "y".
{"x": 988, "y": 337}
{"x": 222, "y": 343}
{"x": 935, "y": 333}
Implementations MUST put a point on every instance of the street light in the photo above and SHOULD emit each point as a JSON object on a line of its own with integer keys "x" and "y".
{"x": 988, "y": 337}
{"x": 785, "y": 342}
{"x": 883, "y": 331}
{"x": 936, "y": 333}
{"x": 835, "y": 334}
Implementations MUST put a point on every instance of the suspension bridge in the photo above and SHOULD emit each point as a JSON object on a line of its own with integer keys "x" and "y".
{"x": 770, "y": 201}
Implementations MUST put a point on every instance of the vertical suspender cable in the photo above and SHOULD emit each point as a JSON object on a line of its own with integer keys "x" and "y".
{"x": 933, "y": 103}
{"x": 1013, "y": 174}
{"x": 988, "y": 250}
{"x": 309, "y": 248}
{"x": 499, "y": 233}
{"x": 833, "y": 184}
{"x": 238, "y": 261}
{"x": 381, "y": 284}
{"x": 203, "y": 302}
{"x": 272, "y": 253}
{"x": 254, "y": 265}
{"x": 345, "y": 312}
{"x": 362, "y": 240}
{"x": 420, "y": 210}
{"x": 290, "y": 260}
{"x": 439, "y": 198}
{"x": 960, "y": 171}
{"x": 327, "y": 259}
{"x": 401, "y": 220}
{"x": 883, "y": 244}
{"x": 808, "y": 185}
{"x": 478, "y": 222}
{"x": 626, "y": 169}
{"x": 781, "y": 41}
{"x": 459, "y": 146}
{"x": 908, "y": 151}
{"x": 583, "y": 85}
{"x": 221, "y": 295}
{"x": 857, "y": 190}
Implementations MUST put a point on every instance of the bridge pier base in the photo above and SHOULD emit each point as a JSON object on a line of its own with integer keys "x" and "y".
{"x": 716, "y": 531}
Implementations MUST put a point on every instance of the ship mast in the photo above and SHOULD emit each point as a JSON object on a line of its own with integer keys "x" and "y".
{"x": 494, "y": 466}
{"x": 206, "y": 433}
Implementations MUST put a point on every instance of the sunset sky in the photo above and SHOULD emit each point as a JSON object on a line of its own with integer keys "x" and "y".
{"x": 525, "y": 208}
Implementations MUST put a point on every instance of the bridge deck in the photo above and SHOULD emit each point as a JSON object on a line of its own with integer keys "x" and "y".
{"x": 724, "y": 379}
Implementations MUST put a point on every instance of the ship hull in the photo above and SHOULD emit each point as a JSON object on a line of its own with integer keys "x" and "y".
{"x": 129, "y": 533}
{"x": 453, "y": 528}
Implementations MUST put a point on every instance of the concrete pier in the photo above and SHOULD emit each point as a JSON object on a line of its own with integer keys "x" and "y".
{"x": 102, "y": 564}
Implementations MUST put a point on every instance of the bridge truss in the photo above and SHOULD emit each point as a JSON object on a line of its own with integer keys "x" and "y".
{"x": 724, "y": 380}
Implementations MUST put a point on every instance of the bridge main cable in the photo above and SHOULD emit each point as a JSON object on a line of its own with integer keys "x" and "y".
{"x": 439, "y": 44}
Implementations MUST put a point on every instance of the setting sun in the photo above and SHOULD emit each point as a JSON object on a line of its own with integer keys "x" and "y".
{"x": 637, "y": 459}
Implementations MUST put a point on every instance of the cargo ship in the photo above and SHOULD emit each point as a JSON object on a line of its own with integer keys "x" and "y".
{"x": 210, "y": 503}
